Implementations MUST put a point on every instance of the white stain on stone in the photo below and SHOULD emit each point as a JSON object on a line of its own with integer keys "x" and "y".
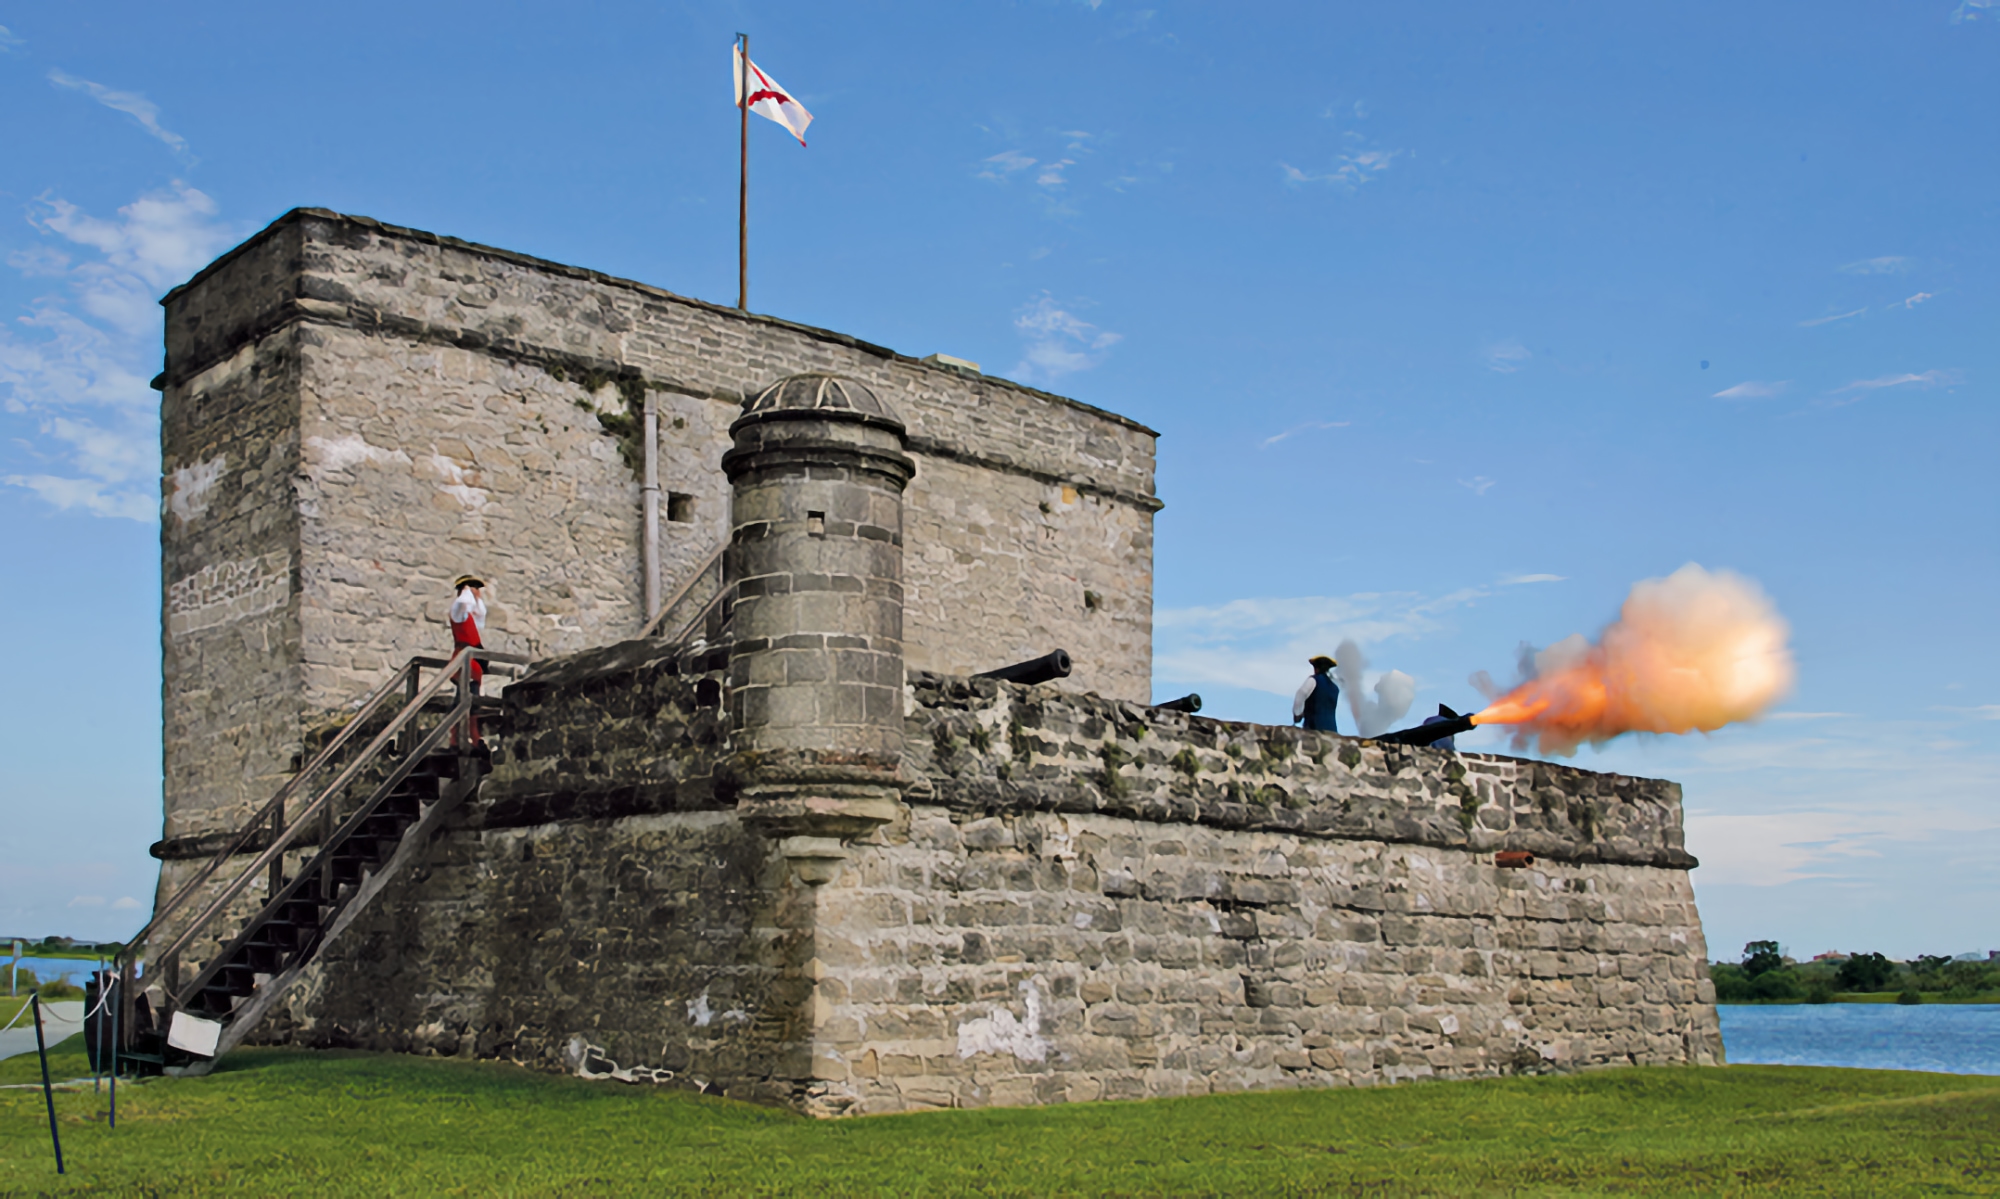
{"x": 1449, "y": 1025}
{"x": 351, "y": 450}
{"x": 223, "y": 592}
{"x": 453, "y": 483}
{"x": 192, "y": 487}
{"x": 1001, "y": 1032}
{"x": 590, "y": 1061}
{"x": 700, "y": 1012}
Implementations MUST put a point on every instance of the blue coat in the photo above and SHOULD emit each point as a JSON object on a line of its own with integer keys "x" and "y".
{"x": 1322, "y": 706}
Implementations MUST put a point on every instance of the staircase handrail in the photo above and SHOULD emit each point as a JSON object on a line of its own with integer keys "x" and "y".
{"x": 427, "y": 745}
{"x": 252, "y": 825}
{"x": 652, "y": 626}
{"x": 459, "y": 664}
{"x": 276, "y": 803}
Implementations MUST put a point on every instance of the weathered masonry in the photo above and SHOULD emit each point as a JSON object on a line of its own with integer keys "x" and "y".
{"x": 353, "y": 414}
{"x": 782, "y": 846}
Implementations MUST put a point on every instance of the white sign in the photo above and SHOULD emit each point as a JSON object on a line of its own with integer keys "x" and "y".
{"x": 194, "y": 1034}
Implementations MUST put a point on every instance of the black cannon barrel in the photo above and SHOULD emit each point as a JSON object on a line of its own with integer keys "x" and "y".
{"x": 1189, "y": 703}
{"x": 1426, "y": 734}
{"x": 1052, "y": 665}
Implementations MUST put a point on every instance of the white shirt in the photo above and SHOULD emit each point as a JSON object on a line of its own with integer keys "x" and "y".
{"x": 1305, "y": 693}
{"x": 466, "y": 604}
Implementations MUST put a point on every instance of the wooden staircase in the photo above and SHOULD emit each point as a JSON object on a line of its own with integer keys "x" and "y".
{"x": 380, "y": 805}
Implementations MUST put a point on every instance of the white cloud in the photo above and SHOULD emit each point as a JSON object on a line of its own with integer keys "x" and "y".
{"x": 1752, "y": 390}
{"x": 1308, "y": 427}
{"x": 160, "y": 238}
{"x": 1827, "y": 320}
{"x": 1051, "y": 174}
{"x": 124, "y": 903}
{"x": 1931, "y": 378}
{"x": 1478, "y": 484}
{"x": 1005, "y": 164}
{"x": 1915, "y": 300}
{"x": 1350, "y": 170}
{"x": 1263, "y": 643}
{"x": 1059, "y": 342}
{"x": 1888, "y": 264}
{"x": 87, "y": 901}
{"x": 132, "y": 104}
{"x": 8, "y": 41}
{"x": 39, "y": 261}
{"x": 1506, "y": 356}
{"x": 1770, "y": 849}
{"x": 1972, "y": 10}
{"x": 75, "y": 367}
{"x": 1517, "y": 580}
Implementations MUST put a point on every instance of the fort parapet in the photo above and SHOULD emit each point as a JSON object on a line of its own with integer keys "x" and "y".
{"x": 796, "y": 854}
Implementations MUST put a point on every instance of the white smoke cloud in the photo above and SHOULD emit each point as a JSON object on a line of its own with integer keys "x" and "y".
{"x": 1394, "y": 691}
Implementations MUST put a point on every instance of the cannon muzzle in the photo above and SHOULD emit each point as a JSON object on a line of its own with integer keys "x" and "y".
{"x": 1432, "y": 732}
{"x": 1052, "y": 665}
{"x": 1189, "y": 703}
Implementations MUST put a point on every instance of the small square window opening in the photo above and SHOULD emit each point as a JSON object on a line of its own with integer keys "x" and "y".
{"x": 680, "y": 507}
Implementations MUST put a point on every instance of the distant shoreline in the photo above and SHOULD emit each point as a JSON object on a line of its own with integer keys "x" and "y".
{"x": 1874, "y": 997}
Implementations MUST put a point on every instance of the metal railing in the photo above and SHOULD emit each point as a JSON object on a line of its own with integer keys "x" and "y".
{"x": 400, "y": 732}
{"x": 679, "y": 625}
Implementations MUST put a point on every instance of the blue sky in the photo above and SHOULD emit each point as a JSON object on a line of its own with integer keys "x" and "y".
{"x": 1456, "y": 322}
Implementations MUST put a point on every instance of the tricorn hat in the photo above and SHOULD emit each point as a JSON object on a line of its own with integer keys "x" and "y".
{"x": 467, "y": 581}
{"x": 1316, "y": 659}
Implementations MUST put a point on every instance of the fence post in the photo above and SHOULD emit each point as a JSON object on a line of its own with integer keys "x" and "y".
{"x": 48, "y": 1093}
{"x": 116, "y": 1009}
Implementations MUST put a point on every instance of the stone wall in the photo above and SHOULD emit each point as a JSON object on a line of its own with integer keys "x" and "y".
{"x": 1082, "y": 898}
{"x": 1098, "y": 900}
{"x": 229, "y": 559}
{"x": 432, "y": 407}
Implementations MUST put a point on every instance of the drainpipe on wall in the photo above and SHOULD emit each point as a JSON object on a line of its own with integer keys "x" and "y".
{"x": 649, "y": 497}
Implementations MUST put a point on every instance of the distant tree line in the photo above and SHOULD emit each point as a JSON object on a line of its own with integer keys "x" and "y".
{"x": 1766, "y": 974}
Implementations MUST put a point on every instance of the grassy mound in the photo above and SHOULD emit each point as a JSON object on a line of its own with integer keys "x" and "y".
{"x": 273, "y": 1122}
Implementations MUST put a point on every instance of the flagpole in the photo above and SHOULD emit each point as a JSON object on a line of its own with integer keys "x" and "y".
{"x": 743, "y": 182}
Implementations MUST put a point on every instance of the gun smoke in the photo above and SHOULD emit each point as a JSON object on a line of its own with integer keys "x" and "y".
{"x": 1394, "y": 691}
{"x": 1695, "y": 650}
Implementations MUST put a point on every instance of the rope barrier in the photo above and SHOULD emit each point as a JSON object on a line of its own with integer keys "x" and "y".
{"x": 103, "y": 997}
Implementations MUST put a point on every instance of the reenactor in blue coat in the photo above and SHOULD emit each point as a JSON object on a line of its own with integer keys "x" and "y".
{"x": 1318, "y": 697}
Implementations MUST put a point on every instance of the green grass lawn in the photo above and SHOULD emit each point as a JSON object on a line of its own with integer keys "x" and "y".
{"x": 282, "y": 1122}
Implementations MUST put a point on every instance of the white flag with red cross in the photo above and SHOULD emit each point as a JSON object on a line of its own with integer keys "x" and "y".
{"x": 767, "y": 99}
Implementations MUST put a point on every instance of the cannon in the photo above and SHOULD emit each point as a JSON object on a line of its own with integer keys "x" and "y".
{"x": 1189, "y": 703}
{"x": 1450, "y": 724}
{"x": 1052, "y": 665}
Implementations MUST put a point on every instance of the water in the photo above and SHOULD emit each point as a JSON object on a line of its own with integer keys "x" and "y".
{"x": 1961, "y": 1038}
{"x": 76, "y": 970}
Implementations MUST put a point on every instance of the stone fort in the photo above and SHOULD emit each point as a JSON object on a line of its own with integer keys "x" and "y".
{"x": 753, "y": 824}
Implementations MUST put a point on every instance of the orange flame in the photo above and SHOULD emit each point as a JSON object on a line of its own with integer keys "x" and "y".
{"x": 1694, "y": 650}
